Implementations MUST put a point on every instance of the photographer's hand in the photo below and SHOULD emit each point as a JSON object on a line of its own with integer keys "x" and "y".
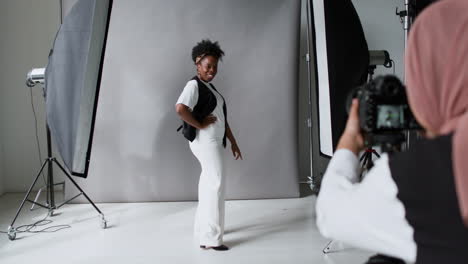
{"x": 352, "y": 138}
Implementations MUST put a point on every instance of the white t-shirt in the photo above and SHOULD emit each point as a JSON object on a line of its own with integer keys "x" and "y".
{"x": 214, "y": 133}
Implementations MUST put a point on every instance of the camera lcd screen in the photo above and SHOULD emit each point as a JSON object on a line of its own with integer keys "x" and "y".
{"x": 390, "y": 117}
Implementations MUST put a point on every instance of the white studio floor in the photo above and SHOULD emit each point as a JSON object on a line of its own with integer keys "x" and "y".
{"x": 258, "y": 231}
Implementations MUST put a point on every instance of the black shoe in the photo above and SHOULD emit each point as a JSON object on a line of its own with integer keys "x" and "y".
{"x": 382, "y": 259}
{"x": 218, "y": 248}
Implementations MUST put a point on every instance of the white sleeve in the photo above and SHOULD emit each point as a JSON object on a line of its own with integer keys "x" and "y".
{"x": 367, "y": 215}
{"x": 189, "y": 95}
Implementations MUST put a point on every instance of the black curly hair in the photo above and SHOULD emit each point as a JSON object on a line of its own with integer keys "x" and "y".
{"x": 207, "y": 48}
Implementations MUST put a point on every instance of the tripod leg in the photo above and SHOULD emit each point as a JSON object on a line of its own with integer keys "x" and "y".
{"x": 103, "y": 220}
{"x": 77, "y": 186}
{"x": 375, "y": 153}
{"x": 37, "y": 198}
{"x": 332, "y": 246}
{"x": 363, "y": 156}
{"x": 27, "y": 194}
{"x": 363, "y": 161}
{"x": 370, "y": 164}
{"x": 327, "y": 248}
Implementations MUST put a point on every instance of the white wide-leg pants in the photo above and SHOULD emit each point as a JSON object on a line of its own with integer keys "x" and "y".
{"x": 209, "y": 218}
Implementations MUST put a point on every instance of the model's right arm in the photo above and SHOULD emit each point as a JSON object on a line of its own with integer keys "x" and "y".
{"x": 187, "y": 101}
{"x": 185, "y": 114}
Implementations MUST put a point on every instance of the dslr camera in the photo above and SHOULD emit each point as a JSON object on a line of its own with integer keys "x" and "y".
{"x": 384, "y": 113}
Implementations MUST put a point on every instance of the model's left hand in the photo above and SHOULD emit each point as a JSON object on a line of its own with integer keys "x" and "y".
{"x": 352, "y": 138}
{"x": 236, "y": 151}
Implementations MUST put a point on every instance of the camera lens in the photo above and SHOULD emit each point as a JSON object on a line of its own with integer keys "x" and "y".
{"x": 390, "y": 90}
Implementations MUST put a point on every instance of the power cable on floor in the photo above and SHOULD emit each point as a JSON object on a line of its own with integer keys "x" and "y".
{"x": 43, "y": 222}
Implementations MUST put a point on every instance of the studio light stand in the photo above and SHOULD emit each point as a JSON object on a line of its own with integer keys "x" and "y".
{"x": 376, "y": 58}
{"x": 312, "y": 179}
{"x": 36, "y": 76}
{"x": 407, "y": 18}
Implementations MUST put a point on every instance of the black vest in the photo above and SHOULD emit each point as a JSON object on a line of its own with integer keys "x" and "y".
{"x": 426, "y": 188}
{"x": 206, "y": 104}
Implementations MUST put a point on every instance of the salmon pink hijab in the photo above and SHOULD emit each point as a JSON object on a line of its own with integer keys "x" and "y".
{"x": 437, "y": 81}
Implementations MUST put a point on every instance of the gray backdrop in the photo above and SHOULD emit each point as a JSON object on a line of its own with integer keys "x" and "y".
{"x": 137, "y": 154}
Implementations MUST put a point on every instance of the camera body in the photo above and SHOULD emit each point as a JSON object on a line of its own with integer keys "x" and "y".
{"x": 384, "y": 113}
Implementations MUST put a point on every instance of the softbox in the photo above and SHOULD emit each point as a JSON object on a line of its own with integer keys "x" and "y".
{"x": 341, "y": 63}
{"x": 72, "y": 81}
{"x": 342, "y": 59}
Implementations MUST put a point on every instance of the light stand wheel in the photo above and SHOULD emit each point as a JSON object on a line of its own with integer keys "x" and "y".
{"x": 103, "y": 222}
{"x": 315, "y": 189}
{"x": 327, "y": 248}
{"x": 51, "y": 213}
{"x": 332, "y": 246}
{"x": 11, "y": 233}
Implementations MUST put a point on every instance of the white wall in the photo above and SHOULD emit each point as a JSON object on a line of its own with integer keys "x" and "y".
{"x": 383, "y": 30}
{"x": 27, "y": 29}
